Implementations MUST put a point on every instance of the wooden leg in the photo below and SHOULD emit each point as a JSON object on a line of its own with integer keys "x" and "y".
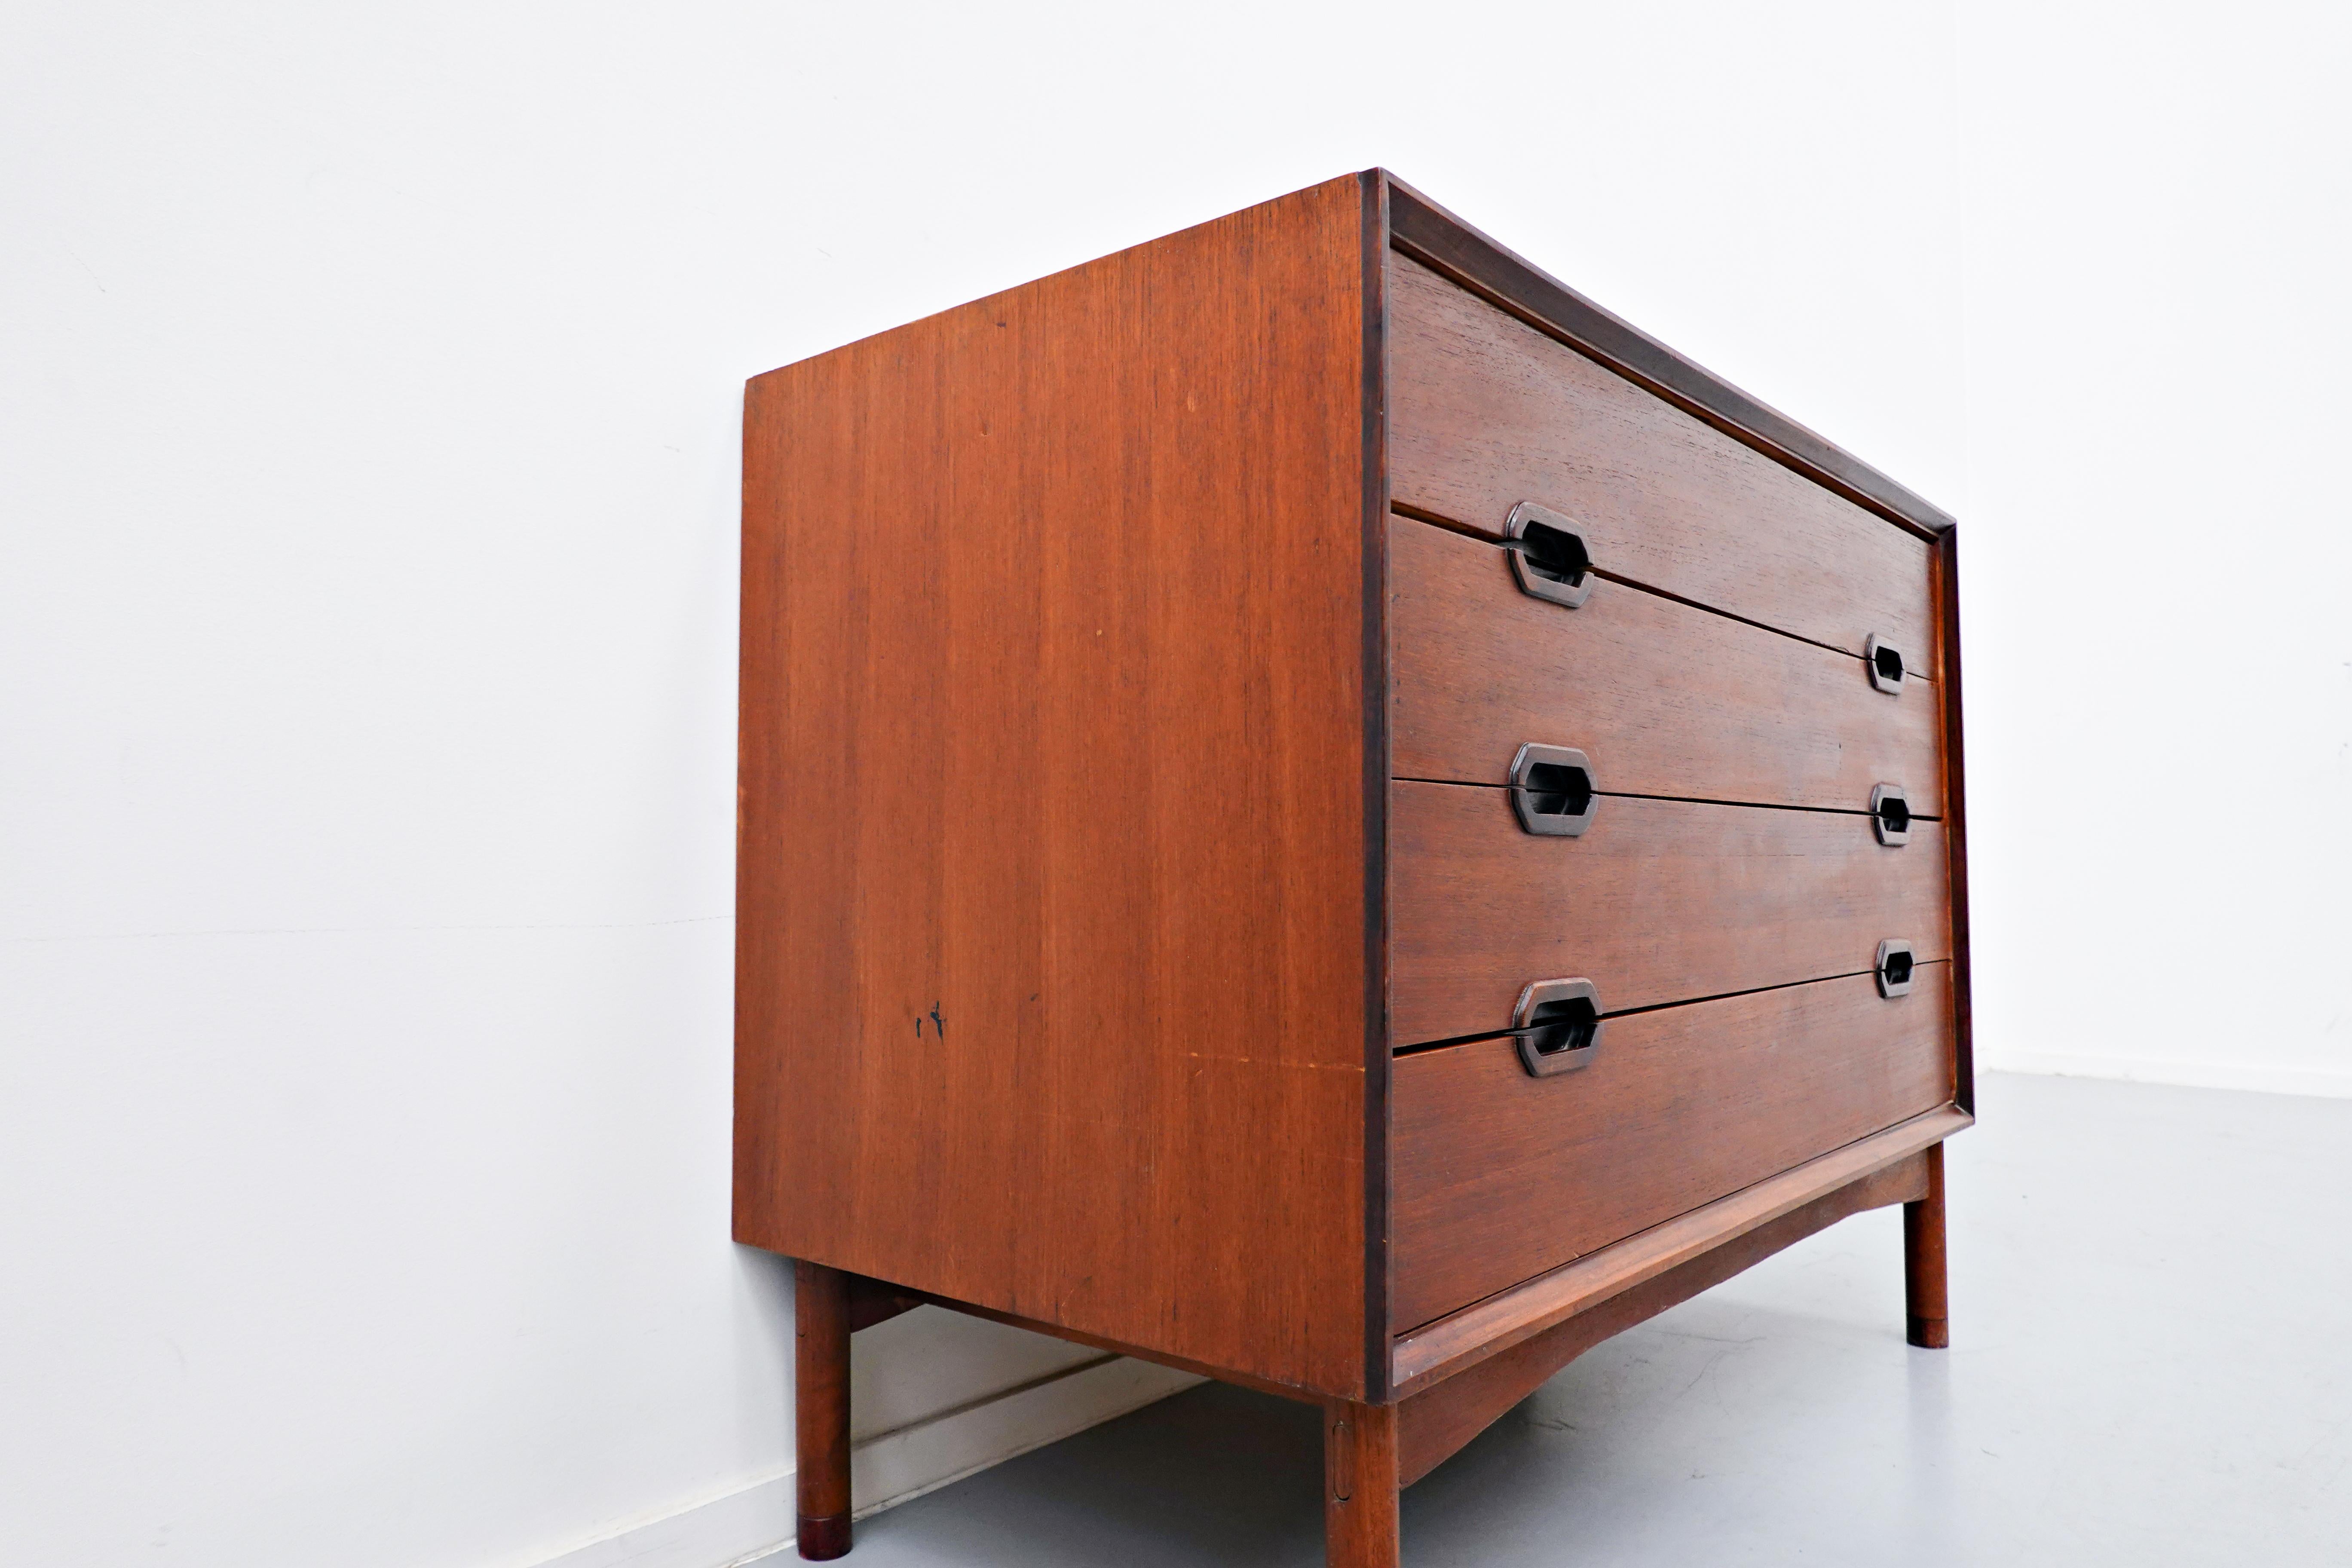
{"x": 1359, "y": 1490}
{"x": 1923, "y": 1262}
{"x": 821, "y": 1385}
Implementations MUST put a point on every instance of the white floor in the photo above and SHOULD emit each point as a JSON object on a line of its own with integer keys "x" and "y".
{"x": 2151, "y": 1366}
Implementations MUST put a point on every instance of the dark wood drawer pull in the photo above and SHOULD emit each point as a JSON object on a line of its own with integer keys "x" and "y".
{"x": 1885, "y": 662}
{"x": 1894, "y": 968}
{"x": 1548, "y": 556}
{"x": 1890, "y": 813}
{"x": 1558, "y": 1025}
{"x": 1552, "y": 790}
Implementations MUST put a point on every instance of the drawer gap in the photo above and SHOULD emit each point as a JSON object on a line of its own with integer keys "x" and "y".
{"x": 1679, "y": 799}
{"x": 1469, "y": 530}
{"x": 1418, "y": 1048}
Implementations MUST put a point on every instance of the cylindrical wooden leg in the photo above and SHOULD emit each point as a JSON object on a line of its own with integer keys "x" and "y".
{"x": 1359, "y": 1486}
{"x": 1923, "y": 1262}
{"x": 821, "y": 1387}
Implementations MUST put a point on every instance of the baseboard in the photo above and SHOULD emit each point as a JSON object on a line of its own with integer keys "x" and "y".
{"x": 892, "y": 1468}
{"x": 741, "y": 1526}
{"x": 2332, "y": 1084}
{"x": 889, "y": 1467}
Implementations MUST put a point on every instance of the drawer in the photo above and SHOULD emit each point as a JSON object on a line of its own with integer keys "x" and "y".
{"x": 1658, "y": 901}
{"x": 1485, "y": 412}
{"x": 1497, "y": 1176}
{"x": 1666, "y": 699}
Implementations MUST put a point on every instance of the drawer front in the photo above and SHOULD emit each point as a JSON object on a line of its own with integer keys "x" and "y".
{"x": 1666, "y": 699}
{"x": 1658, "y": 901}
{"x": 1497, "y": 1176}
{"x": 1485, "y": 412}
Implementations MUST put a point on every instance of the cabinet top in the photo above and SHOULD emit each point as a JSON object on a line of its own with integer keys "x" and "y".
{"x": 1396, "y": 217}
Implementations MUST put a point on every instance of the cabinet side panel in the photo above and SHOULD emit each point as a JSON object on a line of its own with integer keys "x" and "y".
{"x": 1050, "y": 990}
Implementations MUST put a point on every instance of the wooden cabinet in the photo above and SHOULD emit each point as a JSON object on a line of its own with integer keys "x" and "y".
{"x": 1315, "y": 808}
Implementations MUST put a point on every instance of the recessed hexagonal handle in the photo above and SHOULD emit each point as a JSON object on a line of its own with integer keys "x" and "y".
{"x": 1894, "y": 968}
{"x": 1558, "y": 1025}
{"x": 1548, "y": 555}
{"x": 1885, "y": 662}
{"x": 1890, "y": 813}
{"x": 1552, "y": 790}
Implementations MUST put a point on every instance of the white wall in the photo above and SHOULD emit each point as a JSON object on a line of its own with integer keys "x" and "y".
{"x": 367, "y": 462}
{"x": 2158, "y": 540}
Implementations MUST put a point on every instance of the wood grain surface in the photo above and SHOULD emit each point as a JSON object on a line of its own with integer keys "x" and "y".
{"x": 1433, "y": 1424}
{"x": 1051, "y": 947}
{"x": 1499, "y": 1176}
{"x": 821, "y": 1329}
{"x": 1659, "y": 901}
{"x": 1666, "y": 700}
{"x": 1484, "y": 412}
{"x": 1359, "y": 1486}
{"x": 1455, "y": 1343}
{"x": 1925, "y": 1297}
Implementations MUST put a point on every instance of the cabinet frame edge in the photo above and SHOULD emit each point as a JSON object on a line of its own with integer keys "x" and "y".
{"x": 1374, "y": 184}
{"x": 1955, "y": 813}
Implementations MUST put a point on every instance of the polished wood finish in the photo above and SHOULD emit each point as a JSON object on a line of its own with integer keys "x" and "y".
{"x": 1485, "y": 412}
{"x": 1360, "y": 1486}
{"x": 1051, "y": 989}
{"x": 1924, "y": 1298}
{"x": 1456, "y": 1343}
{"x": 820, "y": 1331}
{"x": 1129, "y": 675}
{"x": 1733, "y": 898}
{"x": 1500, "y": 1176}
{"x": 1433, "y": 1424}
{"x": 1666, "y": 700}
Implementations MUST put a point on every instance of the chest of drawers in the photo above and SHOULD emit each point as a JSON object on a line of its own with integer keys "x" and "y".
{"x": 1315, "y": 808}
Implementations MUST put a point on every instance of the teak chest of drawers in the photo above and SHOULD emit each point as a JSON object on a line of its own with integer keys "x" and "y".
{"x": 1318, "y": 809}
